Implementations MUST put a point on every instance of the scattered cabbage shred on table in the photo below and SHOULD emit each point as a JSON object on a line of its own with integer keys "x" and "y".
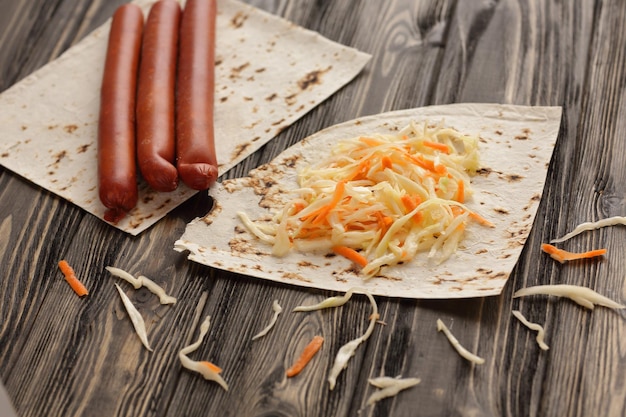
{"x": 381, "y": 199}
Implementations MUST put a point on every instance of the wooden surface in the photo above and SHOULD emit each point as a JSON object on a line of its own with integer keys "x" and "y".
{"x": 65, "y": 356}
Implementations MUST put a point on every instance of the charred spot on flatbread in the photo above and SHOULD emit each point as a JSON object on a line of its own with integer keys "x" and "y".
{"x": 294, "y": 276}
{"x": 514, "y": 177}
{"x": 291, "y": 161}
{"x": 244, "y": 246}
{"x": 59, "y": 156}
{"x": 312, "y": 78}
{"x": 525, "y": 135}
{"x": 240, "y": 150}
{"x": 238, "y": 20}
{"x": 70, "y": 128}
{"x": 164, "y": 204}
{"x": 307, "y": 264}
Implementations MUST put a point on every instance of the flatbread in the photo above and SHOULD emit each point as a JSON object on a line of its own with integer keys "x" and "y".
{"x": 269, "y": 73}
{"x": 515, "y": 147}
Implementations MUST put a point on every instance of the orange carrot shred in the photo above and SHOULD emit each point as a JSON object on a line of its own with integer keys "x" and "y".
{"x": 307, "y": 354}
{"x": 460, "y": 192}
{"x": 442, "y": 147}
{"x": 480, "y": 219}
{"x": 424, "y": 163}
{"x": 361, "y": 171}
{"x": 563, "y": 255}
{"x": 323, "y": 211}
{"x": 351, "y": 254}
{"x": 457, "y": 211}
{"x": 427, "y": 164}
{"x": 386, "y": 162}
{"x": 297, "y": 207}
{"x": 370, "y": 141}
{"x": 410, "y": 202}
{"x": 384, "y": 222}
{"x": 212, "y": 366}
{"x": 71, "y": 278}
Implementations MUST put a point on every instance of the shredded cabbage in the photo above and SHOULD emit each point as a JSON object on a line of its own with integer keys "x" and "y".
{"x": 533, "y": 326}
{"x": 135, "y": 317}
{"x": 584, "y": 296}
{"x": 389, "y": 387}
{"x": 388, "y": 197}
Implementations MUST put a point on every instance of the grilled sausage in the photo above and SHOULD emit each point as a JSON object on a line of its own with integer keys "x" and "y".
{"x": 155, "y": 97}
{"x": 195, "y": 147}
{"x": 117, "y": 182}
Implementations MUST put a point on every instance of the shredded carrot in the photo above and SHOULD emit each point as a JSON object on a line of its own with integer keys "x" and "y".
{"x": 297, "y": 207}
{"x": 442, "y": 147}
{"x": 410, "y": 202}
{"x": 480, "y": 219}
{"x": 361, "y": 171}
{"x": 385, "y": 162}
{"x": 460, "y": 192}
{"x": 563, "y": 255}
{"x": 307, "y": 354}
{"x": 456, "y": 211}
{"x": 212, "y": 366}
{"x": 370, "y": 141}
{"x": 428, "y": 164}
{"x": 71, "y": 278}
{"x": 321, "y": 213}
{"x": 384, "y": 222}
{"x": 351, "y": 254}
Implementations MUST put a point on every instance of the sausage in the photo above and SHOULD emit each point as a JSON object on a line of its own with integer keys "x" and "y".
{"x": 155, "y": 97}
{"x": 195, "y": 146}
{"x": 117, "y": 173}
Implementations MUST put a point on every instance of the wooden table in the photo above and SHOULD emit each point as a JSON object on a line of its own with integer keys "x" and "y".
{"x": 64, "y": 356}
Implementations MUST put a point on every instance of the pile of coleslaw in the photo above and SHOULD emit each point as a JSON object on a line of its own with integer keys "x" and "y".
{"x": 388, "y": 197}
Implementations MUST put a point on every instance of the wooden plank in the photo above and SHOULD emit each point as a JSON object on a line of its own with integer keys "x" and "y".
{"x": 594, "y": 189}
{"x": 86, "y": 359}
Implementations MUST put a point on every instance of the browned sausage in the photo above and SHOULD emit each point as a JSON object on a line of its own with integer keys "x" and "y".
{"x": 117, "y": 182}
{"x": 155, "y": 96}
{"x": 195, "y": 147}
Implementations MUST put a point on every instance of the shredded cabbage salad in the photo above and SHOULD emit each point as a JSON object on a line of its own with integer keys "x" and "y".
{"x": 380, "y": 199}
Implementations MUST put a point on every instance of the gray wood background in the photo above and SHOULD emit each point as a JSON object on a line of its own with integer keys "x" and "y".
{"x": 62, "y": 356}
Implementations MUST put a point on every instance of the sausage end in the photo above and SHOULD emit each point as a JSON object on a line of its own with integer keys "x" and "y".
{"x": 198, "y": 176}
{"x": 160, "y": 175}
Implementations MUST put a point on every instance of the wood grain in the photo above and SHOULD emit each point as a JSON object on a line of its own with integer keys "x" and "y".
{"x": 62, "y": 355}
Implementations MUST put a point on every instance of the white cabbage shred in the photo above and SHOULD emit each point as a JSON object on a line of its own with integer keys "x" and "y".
{"x": 140, "y": 281}
{"x": 584, "y": 296}
{"x": 457, "y": 345}
{"x": 198, "y": 366}
{"x": 329, "y": 302}
{"x": 533, "y": 326}
{"x": 389, "y": 387}
{"x": 583, "y": 227}
{"x": 277, "y": 309}
{"x": 135, "y": 318}
{"x": 348, "y": 350}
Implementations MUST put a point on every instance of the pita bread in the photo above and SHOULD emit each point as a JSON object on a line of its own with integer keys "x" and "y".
{"x": 516, "y": 145}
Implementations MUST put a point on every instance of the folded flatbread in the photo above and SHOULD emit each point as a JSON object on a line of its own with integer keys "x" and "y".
{"x": 515, "y": 148}
{"x": 269, "y": 73}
